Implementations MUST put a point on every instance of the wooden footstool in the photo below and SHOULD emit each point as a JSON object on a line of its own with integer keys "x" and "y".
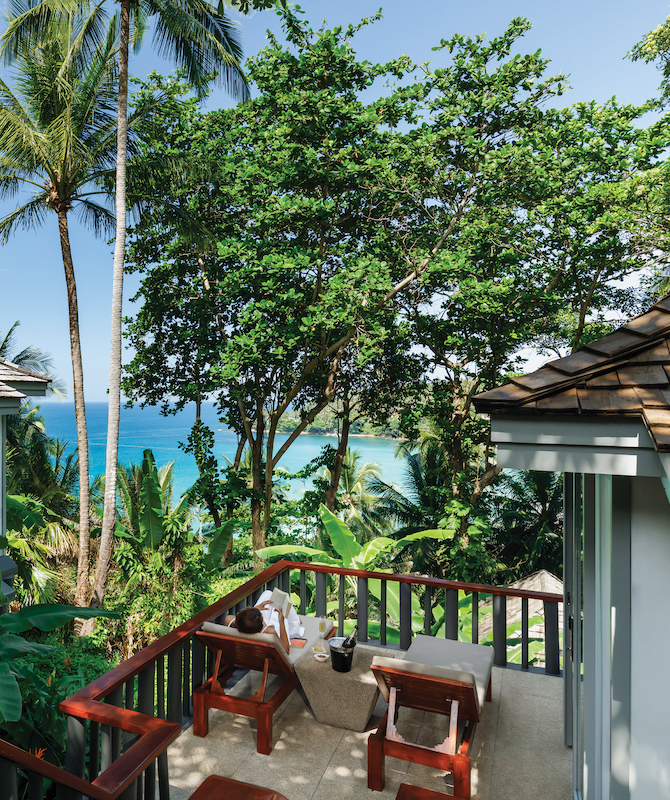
{"x": 217, "y": 788}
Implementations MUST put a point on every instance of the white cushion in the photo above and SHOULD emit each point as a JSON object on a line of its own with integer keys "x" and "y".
{"x": 466, "y": 658}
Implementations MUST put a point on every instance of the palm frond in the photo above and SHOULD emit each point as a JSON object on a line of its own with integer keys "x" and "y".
{"x": 202, "y": 41}
{"x": 30, "y": 215}
{"x": 100, "y": 219}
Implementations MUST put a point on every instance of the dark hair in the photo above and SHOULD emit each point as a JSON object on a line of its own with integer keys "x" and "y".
{"x": 249, "y": 620}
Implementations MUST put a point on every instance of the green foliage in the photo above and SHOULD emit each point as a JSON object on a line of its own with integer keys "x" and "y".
{"x": 354, "y": 556}
{"x": 46, "y": 679}
{"x": 12, "y": 646}
{"x": 526, "y": 513}
{"x": 310, "y": 212}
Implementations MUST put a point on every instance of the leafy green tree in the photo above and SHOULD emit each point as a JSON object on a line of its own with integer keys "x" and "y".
{"x": 324, "y": 212}
{"x": 57, "y": 139}
{"x": 539, "y": 263}
{"x": 12, "y": 646}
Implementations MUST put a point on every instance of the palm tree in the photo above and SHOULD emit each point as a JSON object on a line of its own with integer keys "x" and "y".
{"x": 527, "y": 515}
{"x": 202, "y": 40}
{"x": 356, "y": 503}
{"x": 57, "y": 139}
{"x": 421, "y": 507}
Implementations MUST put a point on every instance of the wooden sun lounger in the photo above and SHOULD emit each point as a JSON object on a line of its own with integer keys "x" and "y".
{"x": 232, "y": 653}
{"x": 262, "y": 652}
{"x": 442, "y": 686}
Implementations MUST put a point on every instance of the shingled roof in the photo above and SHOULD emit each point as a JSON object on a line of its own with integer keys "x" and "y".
{"x": 14, "y": 378}
{"x": 626, "y": 373}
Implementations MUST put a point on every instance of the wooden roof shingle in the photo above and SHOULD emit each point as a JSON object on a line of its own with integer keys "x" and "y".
{"x": 13, "y": 378}
{"x": 626, "y": 373}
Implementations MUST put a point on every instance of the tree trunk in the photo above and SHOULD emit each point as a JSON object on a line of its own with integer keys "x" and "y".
{"x": 81, "y": 596}
{"x": 109, "y": 516}
{"x": 336, "y": 468}
{"x": 257, "y": 504}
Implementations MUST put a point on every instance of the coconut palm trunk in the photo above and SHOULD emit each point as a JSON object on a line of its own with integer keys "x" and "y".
{"x": 81, "y": 596}
{"x": 114, "y": 409}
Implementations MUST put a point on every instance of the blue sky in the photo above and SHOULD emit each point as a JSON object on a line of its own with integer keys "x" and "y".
{"x": 586, "y": 40}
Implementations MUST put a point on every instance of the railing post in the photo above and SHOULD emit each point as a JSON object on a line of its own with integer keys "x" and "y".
{"x": 285, "y": 581}
{"x": 35, "y": 786}
{"x": 186, "y": 679}
{"x": 500, "y": 630}
{"x": 340, "y": 610}
{"x": 475, "y": 617}
{"x": 382, "y": 633}
{"x": 303, "y": 592}
{"x": 255, "y": 595}
{"x": 198, "y": 671}
{"x": 163, "y": 776}
{"x": 145, "y": 705}
{"x": 8, "y": 779}
{"x": 362, "y": 610}
{"x": 524, "y": 633}
{"x": 427, "y": 610}
{"x": 451, "y": 614}
{"x": 127, "y": 737}
{"x": 75, "y": 755}
{"x": 551, "y": 649}
{"x": 405, "y": 615}
{"x": 174, "y": 685}
{"x": 94, "y": 750}
{"x": 130, "y": 793}
{"x": 321, "y": 605}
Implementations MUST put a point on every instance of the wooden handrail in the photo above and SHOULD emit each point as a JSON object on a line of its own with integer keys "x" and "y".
{"x": 119, "y": 675}
{"x": 110, "y": 783}
{"x": 441, "y": 583}
{"x": 128, "y": 669}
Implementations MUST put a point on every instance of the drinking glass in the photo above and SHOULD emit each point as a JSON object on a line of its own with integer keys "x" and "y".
{"x": 322, "y": 626}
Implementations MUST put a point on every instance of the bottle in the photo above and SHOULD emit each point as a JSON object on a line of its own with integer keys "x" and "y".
{"x": 350, "y": 641}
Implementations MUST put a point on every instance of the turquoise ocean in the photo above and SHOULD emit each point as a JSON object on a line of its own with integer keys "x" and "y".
{"x": 142, "y": 428}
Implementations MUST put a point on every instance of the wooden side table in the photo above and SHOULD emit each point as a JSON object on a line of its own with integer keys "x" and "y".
{"x": 342, "y": 699}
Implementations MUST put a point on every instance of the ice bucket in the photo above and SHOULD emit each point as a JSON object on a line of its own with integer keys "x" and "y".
{"x": 340, "y": 657}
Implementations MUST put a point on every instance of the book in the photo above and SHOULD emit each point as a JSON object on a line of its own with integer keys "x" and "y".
{"x": 281, "y": 600}
{"x": 298, "y": 642}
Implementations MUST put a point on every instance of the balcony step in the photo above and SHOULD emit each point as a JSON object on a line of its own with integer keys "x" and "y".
{"x": 408, "y": 792}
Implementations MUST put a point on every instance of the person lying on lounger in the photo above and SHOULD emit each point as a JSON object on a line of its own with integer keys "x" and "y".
{"x": 265, "y": 618}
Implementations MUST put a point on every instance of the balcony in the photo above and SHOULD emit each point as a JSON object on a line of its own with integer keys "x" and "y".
{"x": 132, "y": 727}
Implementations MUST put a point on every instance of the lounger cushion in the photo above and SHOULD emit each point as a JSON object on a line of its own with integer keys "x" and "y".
{"x": 310, "y": 624}
{"x": 475, "y": 660}
{"x": 402, "y": 665}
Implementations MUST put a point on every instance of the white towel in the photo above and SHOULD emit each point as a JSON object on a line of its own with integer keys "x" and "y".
{"x": 271, "y": 618}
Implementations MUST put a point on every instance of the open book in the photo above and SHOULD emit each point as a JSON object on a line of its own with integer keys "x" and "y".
{"x": 281, "y": 600}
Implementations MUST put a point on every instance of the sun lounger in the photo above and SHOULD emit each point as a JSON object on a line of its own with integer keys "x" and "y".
{"x": 256, "y": 651}
{"x": 440, "y": 676}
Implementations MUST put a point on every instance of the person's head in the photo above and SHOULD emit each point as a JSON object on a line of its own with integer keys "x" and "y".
{"x": 249, "y": 620}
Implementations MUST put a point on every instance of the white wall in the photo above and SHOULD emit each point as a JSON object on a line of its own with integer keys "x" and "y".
{"x": 650, "y": 641}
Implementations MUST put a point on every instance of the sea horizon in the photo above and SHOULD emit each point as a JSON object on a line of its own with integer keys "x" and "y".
{"x": 142, "y": 428}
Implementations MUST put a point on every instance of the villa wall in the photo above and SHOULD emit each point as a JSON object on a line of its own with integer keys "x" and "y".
{"x": 650, "y": 641}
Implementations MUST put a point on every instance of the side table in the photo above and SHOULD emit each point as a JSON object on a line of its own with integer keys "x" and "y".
{"x": 342, "y": 699}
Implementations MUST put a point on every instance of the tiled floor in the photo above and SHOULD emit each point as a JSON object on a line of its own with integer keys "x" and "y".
{"x": 518, "y": 752}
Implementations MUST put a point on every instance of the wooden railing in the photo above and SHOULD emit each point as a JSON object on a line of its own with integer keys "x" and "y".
{"x": 120, "y": 726}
